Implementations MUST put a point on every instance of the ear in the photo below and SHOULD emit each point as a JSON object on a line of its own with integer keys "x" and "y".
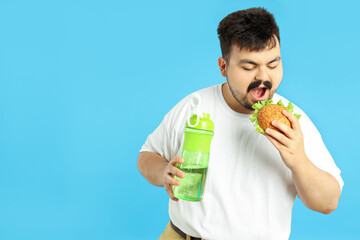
{"x": 222, "y": 66}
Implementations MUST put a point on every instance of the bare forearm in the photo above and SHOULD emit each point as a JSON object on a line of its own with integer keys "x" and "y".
{"x": 151, "y": 166}
{"x": 317, "y": 189}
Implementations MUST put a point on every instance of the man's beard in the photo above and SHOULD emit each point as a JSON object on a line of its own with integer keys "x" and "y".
{"x": 245, "y": 102}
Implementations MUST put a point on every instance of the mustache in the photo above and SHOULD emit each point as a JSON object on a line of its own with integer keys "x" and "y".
{"x": 256, "y": 84}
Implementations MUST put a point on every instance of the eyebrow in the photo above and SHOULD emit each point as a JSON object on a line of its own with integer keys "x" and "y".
{"x": 254, "y": 63}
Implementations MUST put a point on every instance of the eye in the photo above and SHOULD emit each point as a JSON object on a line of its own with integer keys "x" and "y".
{"x": 248, "y": 69}
{"x": 272, "y": 66}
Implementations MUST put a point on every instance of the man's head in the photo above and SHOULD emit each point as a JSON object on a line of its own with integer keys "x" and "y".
{"x": 251, "y": 59}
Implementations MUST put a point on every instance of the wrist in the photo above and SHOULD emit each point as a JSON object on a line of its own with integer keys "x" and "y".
{"x": 161, "y": 173}
{"x": 301, "y": 166}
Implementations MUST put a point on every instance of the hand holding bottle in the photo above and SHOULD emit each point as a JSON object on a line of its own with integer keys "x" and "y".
{"x": 168, "y": 176}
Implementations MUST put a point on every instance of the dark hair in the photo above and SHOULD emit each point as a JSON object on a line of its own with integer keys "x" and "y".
{"x": 253, "y": 29}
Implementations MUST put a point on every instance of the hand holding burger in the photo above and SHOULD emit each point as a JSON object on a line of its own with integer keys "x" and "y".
{"x": 283, "y": 130}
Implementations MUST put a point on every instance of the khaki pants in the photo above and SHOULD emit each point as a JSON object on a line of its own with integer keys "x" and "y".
{"x": 170, "y": 234}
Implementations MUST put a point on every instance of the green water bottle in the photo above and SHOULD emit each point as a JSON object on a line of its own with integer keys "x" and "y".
{"x": 199, "y": 130}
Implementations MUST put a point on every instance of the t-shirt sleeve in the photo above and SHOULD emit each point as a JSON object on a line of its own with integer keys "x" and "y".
{"x": 158, "y": 141}
{"x": 316, "y": 150}
{"x": 167, "y": 138}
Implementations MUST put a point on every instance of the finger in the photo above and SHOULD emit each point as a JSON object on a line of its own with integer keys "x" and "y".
{"x": 171, "y": 181}
{"x": 280, "y": 137}
{"x": 177, "y": 160}
{"x": 293, "y": 120}
{"x": 176, "y": 172}
{"x": 276, "y": 144}
{"x": 169, "y": 191}
{"x": 284, "y": 128}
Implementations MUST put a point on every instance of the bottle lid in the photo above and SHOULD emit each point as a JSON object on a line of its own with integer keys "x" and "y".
{"x": 204, "y": 122}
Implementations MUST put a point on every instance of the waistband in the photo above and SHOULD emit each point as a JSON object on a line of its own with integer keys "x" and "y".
{"x": 182, "y": 234}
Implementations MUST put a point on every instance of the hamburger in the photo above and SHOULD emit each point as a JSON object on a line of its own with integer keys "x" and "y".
{"x": 266, "y": 112}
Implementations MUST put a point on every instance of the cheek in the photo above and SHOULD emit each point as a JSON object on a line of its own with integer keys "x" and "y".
{"x": 240, "y": 79}
{"x": 277, "y": 76}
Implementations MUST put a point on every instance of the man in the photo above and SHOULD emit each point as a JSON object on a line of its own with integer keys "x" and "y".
{"x": 252, "y": 178}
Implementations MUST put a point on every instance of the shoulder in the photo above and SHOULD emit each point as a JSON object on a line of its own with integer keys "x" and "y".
{"x": 205, "y": 94}
{"x": 209, "y": 91}
{"x": 285, "y": 101}
{"x": 177, "y": 115}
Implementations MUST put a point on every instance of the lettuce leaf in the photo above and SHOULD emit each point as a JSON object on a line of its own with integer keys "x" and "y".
{"x": 290, "y": 107}
{"x": 280, "y": 103}
{"x": 297, "y": 115}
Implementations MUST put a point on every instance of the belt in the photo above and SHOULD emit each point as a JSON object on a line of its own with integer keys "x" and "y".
{"x": 182, "y": 234}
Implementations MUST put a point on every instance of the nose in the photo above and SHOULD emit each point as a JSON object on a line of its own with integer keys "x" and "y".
{"x": 261, "y": 74}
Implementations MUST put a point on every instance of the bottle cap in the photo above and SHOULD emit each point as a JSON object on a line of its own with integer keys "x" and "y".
{"x": 204, "y": 123}
{"x": 195, "y": 119}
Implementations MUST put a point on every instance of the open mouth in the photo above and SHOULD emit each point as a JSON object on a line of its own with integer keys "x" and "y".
{"x": 258, "y": 93}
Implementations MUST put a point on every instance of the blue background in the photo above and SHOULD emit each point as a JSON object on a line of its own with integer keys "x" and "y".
{"x": 83, "y": 83}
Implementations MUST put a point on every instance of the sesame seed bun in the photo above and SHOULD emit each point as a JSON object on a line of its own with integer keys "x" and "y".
{"x": 270, "y": 113}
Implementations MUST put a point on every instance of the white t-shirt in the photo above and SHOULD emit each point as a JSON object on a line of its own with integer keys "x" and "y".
{"x": 249, "y": 192}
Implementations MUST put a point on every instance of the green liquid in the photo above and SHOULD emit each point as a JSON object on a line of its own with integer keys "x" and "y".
{"x": 191, "y": 187}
